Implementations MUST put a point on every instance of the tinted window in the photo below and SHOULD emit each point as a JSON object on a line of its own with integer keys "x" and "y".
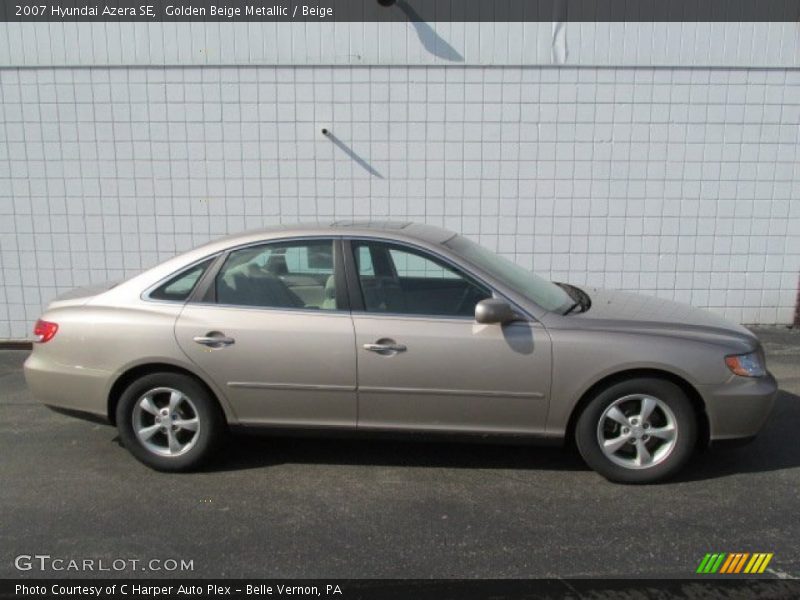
{"x": 401, "y": 280}
{"x": 364, "y": 261}
{"x": 279, "y": 275}
{"x": 179, "y": 288}
{"x": 414, "y": 265}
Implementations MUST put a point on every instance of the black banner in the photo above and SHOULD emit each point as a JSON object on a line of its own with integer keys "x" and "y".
{"x": 399, "y": 10}
{"x": 417, "y": 589}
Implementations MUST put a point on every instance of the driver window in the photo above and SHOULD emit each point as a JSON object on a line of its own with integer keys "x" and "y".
{"x": 401, "y": 280}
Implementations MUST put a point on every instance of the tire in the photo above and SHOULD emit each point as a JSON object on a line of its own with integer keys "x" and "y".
{"x": 637, "y": 450}
{"x": 179, "y": 422}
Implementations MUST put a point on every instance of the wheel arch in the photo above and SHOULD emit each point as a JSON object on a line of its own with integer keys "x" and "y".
{"x": 134, "y": 372}
{"x": 698, "y": 404}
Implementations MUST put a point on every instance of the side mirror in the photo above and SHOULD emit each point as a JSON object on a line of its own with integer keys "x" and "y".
{"x": 494, "y": 310}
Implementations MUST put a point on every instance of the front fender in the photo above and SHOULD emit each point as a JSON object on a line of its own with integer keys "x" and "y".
{"x": 582, "y": 359}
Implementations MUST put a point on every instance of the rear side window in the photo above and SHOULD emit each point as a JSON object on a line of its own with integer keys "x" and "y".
{"x": 294, "y": 274}
{"x": 180, "y": 287}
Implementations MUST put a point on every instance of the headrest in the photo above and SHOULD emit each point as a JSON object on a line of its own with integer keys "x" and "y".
{"x": 277, "y": 265}
{"x": 330, "y": 288}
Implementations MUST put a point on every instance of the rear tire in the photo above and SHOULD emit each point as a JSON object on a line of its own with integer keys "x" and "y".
{"x": 637, "y": 431}
{"x": 169, "y": 421}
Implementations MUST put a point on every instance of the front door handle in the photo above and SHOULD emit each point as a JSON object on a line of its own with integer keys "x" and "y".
{"x": 214, "y": 339}
{"x": 385, "y": 347}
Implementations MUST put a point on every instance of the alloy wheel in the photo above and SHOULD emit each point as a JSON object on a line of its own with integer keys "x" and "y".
{"x": 166, "y": 421}
{"x": 637, "y": 431}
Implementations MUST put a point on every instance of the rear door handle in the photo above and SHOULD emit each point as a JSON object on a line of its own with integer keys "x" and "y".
{"x": 214, "y": 339}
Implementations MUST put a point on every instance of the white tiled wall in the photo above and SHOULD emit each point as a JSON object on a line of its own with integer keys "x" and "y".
{"x": 684, "y": 183}
{"x": 37, "y": 44}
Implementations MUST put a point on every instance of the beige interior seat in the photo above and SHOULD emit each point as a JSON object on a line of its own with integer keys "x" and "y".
{"x": 329, "y": 303}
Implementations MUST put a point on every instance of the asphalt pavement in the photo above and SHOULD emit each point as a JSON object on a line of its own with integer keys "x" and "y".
{"x": 313, "y": 508}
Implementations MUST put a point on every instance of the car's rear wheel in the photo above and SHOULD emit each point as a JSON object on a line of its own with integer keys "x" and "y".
{"x": 169, "y": 421}
{"x": 637, "y": 431}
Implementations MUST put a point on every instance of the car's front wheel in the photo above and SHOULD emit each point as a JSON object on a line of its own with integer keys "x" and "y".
{"x": 169, "y": 421}
{"x": 637, "y": 431}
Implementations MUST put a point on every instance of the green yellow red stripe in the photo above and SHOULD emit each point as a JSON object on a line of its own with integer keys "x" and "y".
{"x": 763, "y": 566}
{"x": 718, "y": 563}
{"x": 701, "y": 568}
{"x": 727, "y": 564}
{"x": 751, "y": 566}
{"x": 734, "y": 562}
{"x": 742, "y": 560}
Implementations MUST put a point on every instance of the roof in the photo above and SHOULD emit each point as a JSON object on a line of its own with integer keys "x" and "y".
{"x": 393, "y": 229}
{"x": 420, "y": 231}
{"x": 373, "y": 224}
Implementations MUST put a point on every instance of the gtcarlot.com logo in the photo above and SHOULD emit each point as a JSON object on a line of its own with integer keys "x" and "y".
{"x": 732, "y": 563}
{"x": 46, "y": 562}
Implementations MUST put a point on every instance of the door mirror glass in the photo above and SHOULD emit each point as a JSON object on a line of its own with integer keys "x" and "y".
{"x": 494, "y": 310}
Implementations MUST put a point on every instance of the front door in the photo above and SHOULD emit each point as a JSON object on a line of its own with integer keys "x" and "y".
{"x": 273, "y": 336}
{"x": 424, "y": 363}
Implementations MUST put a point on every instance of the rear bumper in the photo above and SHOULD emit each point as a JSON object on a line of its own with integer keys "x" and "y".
{"x": 739, "y": 408}
{"x": 69, "y": 388}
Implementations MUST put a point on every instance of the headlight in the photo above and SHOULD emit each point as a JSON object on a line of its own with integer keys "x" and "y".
{"x": 746, "y": 365}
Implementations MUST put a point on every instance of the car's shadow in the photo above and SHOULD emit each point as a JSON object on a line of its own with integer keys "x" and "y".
{"x": 251, "y": 452}
{"x": 774, "y": 449}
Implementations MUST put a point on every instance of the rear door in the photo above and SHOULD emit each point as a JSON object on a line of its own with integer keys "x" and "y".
{"x": 424, "y": 363}
{"x": 272, "y": 328}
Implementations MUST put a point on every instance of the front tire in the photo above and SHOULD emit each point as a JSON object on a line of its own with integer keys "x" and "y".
{"x": 169, "y": 421}
{"x": 637, "y": 431}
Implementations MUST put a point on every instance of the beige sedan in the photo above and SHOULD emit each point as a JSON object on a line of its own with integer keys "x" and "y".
{"x": 394, "y": 327}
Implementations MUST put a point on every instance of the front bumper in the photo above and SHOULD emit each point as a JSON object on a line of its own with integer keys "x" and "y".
{"x": 67, "y": 387}
{"x": 739, "y": 408}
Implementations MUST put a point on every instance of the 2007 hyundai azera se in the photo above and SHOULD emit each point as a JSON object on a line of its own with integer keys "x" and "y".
{"x": 394, "y": 327}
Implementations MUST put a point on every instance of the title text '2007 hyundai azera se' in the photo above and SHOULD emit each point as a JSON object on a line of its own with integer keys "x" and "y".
{"x": 394, "y": 327}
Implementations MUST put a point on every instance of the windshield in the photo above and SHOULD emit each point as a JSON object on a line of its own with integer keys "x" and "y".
{"x": 544, "y": 293}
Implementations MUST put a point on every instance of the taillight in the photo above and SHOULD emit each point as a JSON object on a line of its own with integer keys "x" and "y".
{"x": 44, "y": 331}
